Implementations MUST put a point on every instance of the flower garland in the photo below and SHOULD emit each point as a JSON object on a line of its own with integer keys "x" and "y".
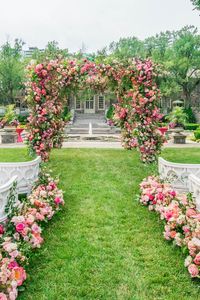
{"x": 22, "y": 232}
{"x": 182, "y": 220}
{"x": 137, "y": 110}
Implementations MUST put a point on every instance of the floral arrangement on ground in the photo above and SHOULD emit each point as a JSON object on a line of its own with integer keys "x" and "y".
{"x": 182, "y": 220}
{"x": 22, "y": 231}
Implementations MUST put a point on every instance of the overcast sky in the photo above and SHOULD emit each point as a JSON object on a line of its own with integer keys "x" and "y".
{"x": 95, "y": 23}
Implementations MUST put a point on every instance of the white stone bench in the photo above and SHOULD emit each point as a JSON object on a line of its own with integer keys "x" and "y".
{"x": 177, "y": 174}
{"x": 26, "y": 172}
{"x": 194, "y": 188}
{"x": 5, "y": 190}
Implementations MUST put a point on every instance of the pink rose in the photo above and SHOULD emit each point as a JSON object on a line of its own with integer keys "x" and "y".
{"x": 191, "y": 212}
{"x": 197, "y": 259}
{"x": 1, "y": 229}
{"x": 3, "y": 296}
{"x": 173, "y": 193}
{"x": 12, "y": 264}
{"x": 57, "y": 200}
{"x": 193, "y": 270}
{"x": 20, "y": 227}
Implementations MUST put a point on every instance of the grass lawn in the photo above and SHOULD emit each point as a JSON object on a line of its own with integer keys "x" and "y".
{"x": 104, "y": 245}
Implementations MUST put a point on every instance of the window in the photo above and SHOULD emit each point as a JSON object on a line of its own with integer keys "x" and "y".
{"x": 101, "y": 102}
{"x": 78, "y": 103}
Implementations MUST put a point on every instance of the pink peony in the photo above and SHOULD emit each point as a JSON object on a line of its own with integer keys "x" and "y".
{"x": 18, "y": 274}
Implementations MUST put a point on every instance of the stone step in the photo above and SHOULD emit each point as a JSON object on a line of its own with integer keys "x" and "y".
{"x": 77, "y": 130}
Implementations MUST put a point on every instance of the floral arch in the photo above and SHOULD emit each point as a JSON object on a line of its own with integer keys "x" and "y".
{"x": 137, "y": 110}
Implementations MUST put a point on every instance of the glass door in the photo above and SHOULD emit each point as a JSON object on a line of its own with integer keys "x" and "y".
{"x": 89, "y": 106}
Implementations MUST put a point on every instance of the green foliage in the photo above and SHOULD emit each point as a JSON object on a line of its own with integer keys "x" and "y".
{"x": 190, "y": 126}
{"x": 51, "y": 52}
{"x": 127, "y": 48}
{"x": 10, "y": 113}
{"x": 178, "y": 116}
{"x": 110, "y": 112}
{"x": 66, "y": 116}
{"x": 190, "y": 115}
{"x": 197, "y": 134}
{"x": 22, "y": 119}
{"x": 11, "y": 71}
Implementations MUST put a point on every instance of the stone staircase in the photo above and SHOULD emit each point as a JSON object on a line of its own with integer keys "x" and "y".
{"x": 91, "y": 125}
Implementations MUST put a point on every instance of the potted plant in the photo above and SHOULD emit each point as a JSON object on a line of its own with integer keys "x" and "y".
{"x": 8, "y": 125}
{"x": 178, "y": 119}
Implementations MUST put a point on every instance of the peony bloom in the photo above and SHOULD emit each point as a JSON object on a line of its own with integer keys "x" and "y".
{"x": 18, "y": 274}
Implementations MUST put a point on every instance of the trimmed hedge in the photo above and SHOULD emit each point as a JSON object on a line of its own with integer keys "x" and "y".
{"x": 191, "y": 126}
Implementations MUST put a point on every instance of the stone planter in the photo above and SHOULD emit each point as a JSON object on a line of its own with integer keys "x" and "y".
{"x": 8, "y": 135}
{"x": 178, "y": 136}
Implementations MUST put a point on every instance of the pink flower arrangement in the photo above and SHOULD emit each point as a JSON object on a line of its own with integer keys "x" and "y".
{"x": 136, "y": 113}
{"x": 23, "y": 232}
{"x": 182, "y": 220}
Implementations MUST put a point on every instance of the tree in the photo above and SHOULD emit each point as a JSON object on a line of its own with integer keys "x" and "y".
{"x": 182, "y": 60}
{"x": 127, "y": 48}
{"x": 196, "y": 3}
{"x": 51, "y": 52}
{"x": 11, "y": 71}
{"x": 178, "y": 55}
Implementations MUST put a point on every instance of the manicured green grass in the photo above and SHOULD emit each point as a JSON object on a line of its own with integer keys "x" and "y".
{"x": 104, "y": 245}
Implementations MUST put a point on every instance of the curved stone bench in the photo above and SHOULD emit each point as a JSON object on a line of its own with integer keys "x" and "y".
{"x": 4, "y": 196}
{"x": 194, "y": 188}
{"x": 177, "y": 174}
{"x": 26, "y": 172}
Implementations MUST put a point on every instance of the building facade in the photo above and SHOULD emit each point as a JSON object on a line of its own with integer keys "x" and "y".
{"x": 96, "y": 104}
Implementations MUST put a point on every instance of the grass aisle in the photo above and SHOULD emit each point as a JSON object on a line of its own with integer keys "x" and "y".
{"x": 104, "y": 245}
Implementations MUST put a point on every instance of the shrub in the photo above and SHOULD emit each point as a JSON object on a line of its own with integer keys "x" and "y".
{"x": 190, "y": 115}
{"x": 22, "y": 119}
{"x": 110, "y": 112}
{"x": 197, "y": 134}
{"x": 178, "y": 117}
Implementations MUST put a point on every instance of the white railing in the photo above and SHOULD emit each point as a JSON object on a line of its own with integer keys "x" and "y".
{"x": 177, "y": 174}
{"x": 5, "y": 190}
{"x": 26, "y": 172}
{"x": 194, "y": 188}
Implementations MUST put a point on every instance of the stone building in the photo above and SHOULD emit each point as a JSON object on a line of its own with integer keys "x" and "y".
{"x": 95, "y": 104}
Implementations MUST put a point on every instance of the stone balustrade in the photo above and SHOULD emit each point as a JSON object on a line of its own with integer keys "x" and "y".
{"x": 5, "y": 191}
{"x": 194, "y": 188}
{"x": 26, "y": 172}
{"x": 177, "y": 174}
